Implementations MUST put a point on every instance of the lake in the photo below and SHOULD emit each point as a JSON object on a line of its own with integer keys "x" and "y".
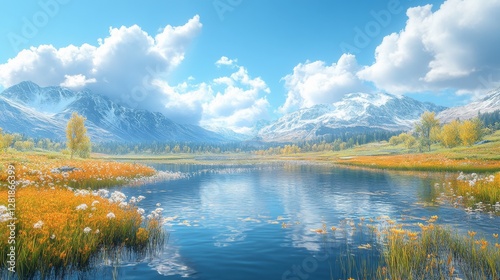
{"x": 259, "y": 221}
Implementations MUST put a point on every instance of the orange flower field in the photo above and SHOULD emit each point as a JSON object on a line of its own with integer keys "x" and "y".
{"x": 37, "y": 170}
{"x": 422, "y": 162}
{"x": 62, "y": 220}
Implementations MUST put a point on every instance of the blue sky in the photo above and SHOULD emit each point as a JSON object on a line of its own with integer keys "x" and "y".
{"x": 281, "y": 55}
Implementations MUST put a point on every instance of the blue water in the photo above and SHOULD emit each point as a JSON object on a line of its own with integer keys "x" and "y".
{"x": 227, "y": 222}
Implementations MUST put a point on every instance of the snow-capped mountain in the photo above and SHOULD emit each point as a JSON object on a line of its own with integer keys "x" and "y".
{"x": 356, "y": 112}
{"x": 227, "y": 133}
{"x": 44, "y": 111}
{"x": 488, "y": 104}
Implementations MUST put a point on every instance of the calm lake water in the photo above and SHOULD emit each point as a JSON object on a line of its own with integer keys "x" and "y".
{"x": 255, "y": 222}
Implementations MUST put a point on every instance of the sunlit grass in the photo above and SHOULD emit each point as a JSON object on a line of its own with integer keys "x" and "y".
{"x": 39, "y": 170}
{"x": 423, "y": 162}
{"x": 385, "y": 249}
{"x": 475, "y": 192}
{"x": 382, "y": 155}
{"x": 63, "y": 222}
{"x": 436, "y": 252}
{"x": 57, "y": 228}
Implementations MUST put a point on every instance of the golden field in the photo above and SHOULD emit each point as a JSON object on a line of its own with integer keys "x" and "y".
{"x": 63, "y": 221}
{"x": 421, "y": 162}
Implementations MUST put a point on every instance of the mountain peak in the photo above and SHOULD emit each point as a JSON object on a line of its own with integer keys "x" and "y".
{"x": 355, "y": 112}
{"x": 43, "y": 112}
{"x": 488, "y": 104}
{"x": 375, "y": 99}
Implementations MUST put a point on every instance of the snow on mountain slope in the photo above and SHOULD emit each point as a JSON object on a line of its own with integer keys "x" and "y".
{"x": 44, "y": 112}
{"x": 15, "y": 117}
{"x": 50, "y": 100}
{"x": 227, "y": 133}
{"x": 356, "y": 112}
{"x": 486, "y": 105}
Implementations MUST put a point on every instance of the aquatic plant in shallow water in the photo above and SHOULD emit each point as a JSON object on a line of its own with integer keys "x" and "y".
{"x": 385, "y": 249}
{"x": 473, "y": 191}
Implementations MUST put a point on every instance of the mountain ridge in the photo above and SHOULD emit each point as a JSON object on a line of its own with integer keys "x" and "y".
{"x": 356, "y": 111}
{"x": 43, "y": 112}
{"x": 47, "y": 109}
{"x": 488, "y": 104}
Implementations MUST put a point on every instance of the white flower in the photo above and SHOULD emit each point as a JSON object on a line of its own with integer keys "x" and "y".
{"x": 103, "y": 193}
{"x": 3, "y": 209}
{"x": 53, "y": 236}
{"x": 158, "y": 204}
{"x": 140, "y": 211}
{"x": 139, "y": 198}
{"x": 95, "y": 202}
{"x": 5, "y": 217}
{"x": 38, "y": 224}
{"x": 97, "y": 231}
{"x": 87, "y": 230}
{"x": 117, "y": 197}
{"x": 110, "y": 215}
{"x": 123, "y": 204}
{"x": 133, "y": 200}
{"x": 82, "y": 193}
{"x": 82, "y": 206}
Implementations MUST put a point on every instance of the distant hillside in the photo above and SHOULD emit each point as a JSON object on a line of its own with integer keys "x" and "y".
{"x": 43, "y": 112}
{"x": 355, "y": 113}
{"x": 488, "y": 104}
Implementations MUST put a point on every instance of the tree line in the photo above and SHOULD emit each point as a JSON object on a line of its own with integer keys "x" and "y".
{"x": 77, "y": 140}
{"x": 430, "y": 131}
{"x": 427, "y": 131}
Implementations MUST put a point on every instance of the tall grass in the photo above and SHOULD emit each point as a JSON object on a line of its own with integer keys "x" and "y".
{"x": 41, "y": 171}
{"x": 473, "y": 191}
{"x": 57, "y": 229}
{"x": 422, "y": 162}
{"x": 437, "y": 253}
{"x": 424, "y": 251}
{"x": 64, "y": 223}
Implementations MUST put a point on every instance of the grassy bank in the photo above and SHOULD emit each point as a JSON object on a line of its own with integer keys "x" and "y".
{"x": 425, "y": 250}
{"x": 382, "y": 155}
{"x": 435, "y": 252}
{"x": 39, "y": 171}
{"x": 65, "y": 219}
{"x": 421, "y": 162}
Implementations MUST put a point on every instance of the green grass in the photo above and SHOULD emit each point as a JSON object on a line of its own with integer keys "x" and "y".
{"x": 386, "y": 250}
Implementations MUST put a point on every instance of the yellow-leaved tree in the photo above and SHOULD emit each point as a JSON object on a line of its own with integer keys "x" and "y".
{"x": 77, "y": 140}
{"x": 424, "y": 127}
{"x": 471, "y": 131}
{"x": 450, "y": 136}
{"x": 5, "y": 140}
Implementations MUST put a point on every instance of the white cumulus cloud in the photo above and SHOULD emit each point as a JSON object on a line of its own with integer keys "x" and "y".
{"x": 131, "y": 67}
{"x": 315, "y": 82}
{"x": 122, "y": 66}
{"x": 76, "y": 81}
{"x": 454, "y": 47}
{"x": 224, "y": 60}
{"x": 236, "y": 101}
